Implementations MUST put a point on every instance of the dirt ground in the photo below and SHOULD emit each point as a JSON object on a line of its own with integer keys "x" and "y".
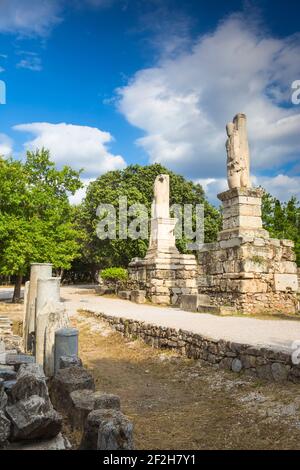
{"x": 177, "y": 403}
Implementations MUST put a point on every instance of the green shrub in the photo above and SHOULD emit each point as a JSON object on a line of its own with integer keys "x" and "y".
{"x": 114, "y": 274}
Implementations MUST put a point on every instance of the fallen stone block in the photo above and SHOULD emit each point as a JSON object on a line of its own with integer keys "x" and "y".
{"x": 30, "y": 381}
{"x": 138, "y": 296}
{"x": 82, "y": 403}
{"x": 106, "y": 401}
{"x": 115, "y": 432}
{"x": 69, "y": 361}
{"x": 3, "y": 356}
{"x": 124, "y": 294}
{"x": 33, "y": 419}
{"x": 189, "y": 302}
{"x": 107, "y": 430}
{"x": 17, "y": 360}
{"x": 7, "y": 373}
{"x": 59, "y": 442}
{"x": 67, "y": 381}
{"x": 100, "y": 290}
{"x": 4, "y": 428}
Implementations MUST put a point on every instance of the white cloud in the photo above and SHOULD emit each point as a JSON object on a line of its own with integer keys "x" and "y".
{"x": 38, "y": 17}
{"x": 29, "y": 17}
{"x": 183, "y": 103}
{"x": 78, "y": 146}
{"x": 283, "y": 187}
{"x": 31, "y": 61}
{"x": 80, "y": 194}
{"x": 6, "y": 145}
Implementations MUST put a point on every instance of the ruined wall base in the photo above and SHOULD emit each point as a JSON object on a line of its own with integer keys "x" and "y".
{"x": 165, "y": 276}
{"x": 253, "y": 275}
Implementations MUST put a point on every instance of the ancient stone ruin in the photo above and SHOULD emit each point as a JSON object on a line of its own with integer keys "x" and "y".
{"x": 40, "y": 389}
{"x": 244, "y": 270}
{"x": 164, "y": 273}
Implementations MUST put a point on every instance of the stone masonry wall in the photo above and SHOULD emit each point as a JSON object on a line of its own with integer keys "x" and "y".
{"x": 258, "y": 362}
{"x": 165, "y": 277}
{"x": 255, "y": 275}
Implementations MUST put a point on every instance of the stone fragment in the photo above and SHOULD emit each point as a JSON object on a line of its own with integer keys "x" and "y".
{"x": 107, "y": 429}
{"x": 57, "y": 319}
{"x": 124, "y": 294}
{"x": 264, "y": 372}
{"x": 33, "y": 419}
{"x": 236, "y": 365}
{"x": 66, "y": 344}
{"x": 285, "y": 282}
{"x": 106, "y": 401}
{"x": 17, "y": 359}
{"x": 59, "y": 442}
{"x": 30, "y": 381}
{"x": 82, "y": 403}
{"x": 68, "y": 380}
{"x": 4, "y": 428}
{"x": 280, "y": 371}
{"x": 69, "y": 361}
{"x": 115, "y": 432}
{"x": 7, "y": 373}
{"x": 138, "y": 296}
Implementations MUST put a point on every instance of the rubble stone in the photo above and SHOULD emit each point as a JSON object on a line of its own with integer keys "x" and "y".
{"x": 32, "y": 418}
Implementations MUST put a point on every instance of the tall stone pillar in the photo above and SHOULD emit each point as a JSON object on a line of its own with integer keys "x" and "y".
{"x": 37, "y": 271}
{"x": 164, "y": 273}
{"x": 48, "y": 291}
{"x": 245, "y": 268}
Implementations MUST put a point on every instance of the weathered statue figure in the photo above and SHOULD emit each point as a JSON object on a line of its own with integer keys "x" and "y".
{"x": 238, "y": 158}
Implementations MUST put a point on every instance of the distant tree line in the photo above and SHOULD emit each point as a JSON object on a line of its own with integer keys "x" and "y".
{"x": 282, "y": 219}
{"x": 38, "y": 223}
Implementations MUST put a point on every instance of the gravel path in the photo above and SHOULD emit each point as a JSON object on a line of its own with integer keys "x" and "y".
{"x": 275, "y": 334}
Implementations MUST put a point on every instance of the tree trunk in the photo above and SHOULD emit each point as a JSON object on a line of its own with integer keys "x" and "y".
{"x": 17, "y": 290}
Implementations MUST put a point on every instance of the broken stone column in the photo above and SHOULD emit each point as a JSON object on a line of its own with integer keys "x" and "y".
{"x": 164, "y": 274}
{"x": 57, "y": 318}
{"x": 48, "y": 292}
{"x": 26, "y": 292}
{"x": 66, "y": 344}
{"x": 37, "y": 271}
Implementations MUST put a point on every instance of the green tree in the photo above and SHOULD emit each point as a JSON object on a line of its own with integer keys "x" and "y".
{"x": 136, "y": 183}
{"x": 36, "y": 218}
{"x": 282, "y": 220}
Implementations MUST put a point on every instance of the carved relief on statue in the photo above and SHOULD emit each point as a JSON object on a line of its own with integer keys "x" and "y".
{"x": 238, "y": 158}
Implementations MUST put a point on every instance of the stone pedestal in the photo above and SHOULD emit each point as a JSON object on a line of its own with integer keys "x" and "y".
{"x": 162, "y": 238}
{"x": 165, "y": 276}
{"x": 246, "y": 268}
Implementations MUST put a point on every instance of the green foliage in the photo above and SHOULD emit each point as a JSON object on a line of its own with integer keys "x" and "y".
{"x": 136, "y": 183}
{"x": 114, "y": 274}
{"x": 282, "y": 220}
{"x": 36, "y": 218}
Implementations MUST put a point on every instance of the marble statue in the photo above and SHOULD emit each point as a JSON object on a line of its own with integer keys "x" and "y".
{"x": 238, "y": 157}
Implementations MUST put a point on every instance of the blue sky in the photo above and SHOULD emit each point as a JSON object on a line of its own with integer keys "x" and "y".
{"x": 106, "y": 83}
